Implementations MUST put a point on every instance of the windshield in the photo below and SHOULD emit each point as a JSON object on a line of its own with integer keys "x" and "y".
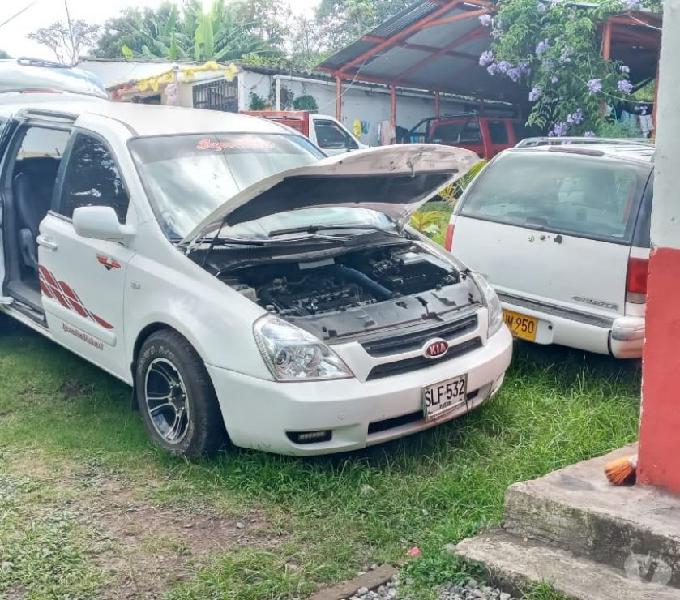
{"x": 188, "y": 176}
{"x": 571, "y": 194}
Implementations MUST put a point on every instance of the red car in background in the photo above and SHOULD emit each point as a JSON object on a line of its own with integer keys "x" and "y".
{"x": 485, "y": 135}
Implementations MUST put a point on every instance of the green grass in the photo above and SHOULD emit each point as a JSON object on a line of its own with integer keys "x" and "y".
{"x": 42, "y": 545}
{"x": 333, "y": 516}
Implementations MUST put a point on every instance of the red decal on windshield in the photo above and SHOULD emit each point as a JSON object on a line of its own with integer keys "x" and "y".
{"x": 242, "y": 142}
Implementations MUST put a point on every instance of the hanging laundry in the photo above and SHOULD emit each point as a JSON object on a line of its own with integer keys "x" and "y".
{"x": 356, "y": 128}
{"x": 646, "y": 125}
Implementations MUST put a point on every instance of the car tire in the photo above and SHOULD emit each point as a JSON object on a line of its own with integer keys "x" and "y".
{"x": 176, "y": 397}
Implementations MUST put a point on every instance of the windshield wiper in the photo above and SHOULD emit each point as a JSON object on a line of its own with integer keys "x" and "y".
{"x": 227, "y": 241}
{"x": 312, "y": 229}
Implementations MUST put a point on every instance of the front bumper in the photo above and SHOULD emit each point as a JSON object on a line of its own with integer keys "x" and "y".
{"x": 622, "y": 337}
{"x": 258, "y": 413}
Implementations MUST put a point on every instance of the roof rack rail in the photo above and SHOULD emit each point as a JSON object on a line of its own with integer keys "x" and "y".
{"x": 51, "y": 114}
{"x": 25, "y": 61}
{"x": 561, "y": 141}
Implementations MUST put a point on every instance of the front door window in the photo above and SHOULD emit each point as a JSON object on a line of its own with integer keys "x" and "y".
{"x": 92, "y": 179}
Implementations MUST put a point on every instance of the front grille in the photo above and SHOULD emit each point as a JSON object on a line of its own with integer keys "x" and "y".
{"x": 387, "y": 424}
{"x": 407, "y": 342}
{"x": 420, "y": 362}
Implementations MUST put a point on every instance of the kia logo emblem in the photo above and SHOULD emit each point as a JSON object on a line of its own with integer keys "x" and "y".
{"x": 435, "y": 349}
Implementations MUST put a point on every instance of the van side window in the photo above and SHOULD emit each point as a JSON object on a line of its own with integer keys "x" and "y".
{"x": 92, "y": 179}
{"x": 498, "y": 132}
{"x": 332, "y": 137}
{"x": 471, "y": 134}
{"x": 448, "y": 133}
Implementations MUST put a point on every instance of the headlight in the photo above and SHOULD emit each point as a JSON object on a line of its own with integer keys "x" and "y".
{"x": 491, "y": 302}
{"x": 293, "y": 354}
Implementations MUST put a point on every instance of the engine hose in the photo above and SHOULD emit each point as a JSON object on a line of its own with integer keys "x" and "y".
{"x": 364, "y": 280}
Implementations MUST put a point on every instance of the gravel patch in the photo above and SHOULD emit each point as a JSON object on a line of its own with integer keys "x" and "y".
{"x": 388, "y": 591}
{"x": 472, "y": 590}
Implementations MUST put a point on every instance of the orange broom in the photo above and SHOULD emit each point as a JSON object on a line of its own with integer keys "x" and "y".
{"x": 622, "y": 471}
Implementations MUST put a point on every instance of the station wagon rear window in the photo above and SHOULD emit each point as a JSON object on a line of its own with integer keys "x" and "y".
{"x": 560, "y": 192}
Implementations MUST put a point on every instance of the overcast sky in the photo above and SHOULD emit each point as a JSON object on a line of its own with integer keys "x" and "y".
{"x": 45, "y": 12}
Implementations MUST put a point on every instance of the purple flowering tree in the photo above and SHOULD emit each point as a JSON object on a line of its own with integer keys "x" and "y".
{"x": 553, "y": 48}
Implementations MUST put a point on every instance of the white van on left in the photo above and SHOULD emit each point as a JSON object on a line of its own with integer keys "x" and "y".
{"x": 247, "y": 287}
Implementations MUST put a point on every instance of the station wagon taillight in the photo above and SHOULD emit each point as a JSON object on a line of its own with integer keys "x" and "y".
{"x": 636, "y": 280}
{"x": 448, "y": 240}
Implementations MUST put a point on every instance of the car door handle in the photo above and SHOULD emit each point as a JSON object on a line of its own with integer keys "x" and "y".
{"x": 47, "y": 243}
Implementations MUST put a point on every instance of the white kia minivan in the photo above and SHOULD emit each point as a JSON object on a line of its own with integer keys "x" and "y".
{"x": 246, "y": 286}
{"x": 560, "y": 228}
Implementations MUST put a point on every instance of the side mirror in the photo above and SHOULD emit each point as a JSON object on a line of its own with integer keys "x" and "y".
{"x": 101, "y": 223}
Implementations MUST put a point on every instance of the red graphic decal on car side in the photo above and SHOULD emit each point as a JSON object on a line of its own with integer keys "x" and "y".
{"x": 108, "y": 263}
{"x": 63, "y": 293}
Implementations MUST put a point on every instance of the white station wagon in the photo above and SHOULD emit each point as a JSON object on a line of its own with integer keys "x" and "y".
{"x": 247, "y": 287}
{"x": 560, "y": 227}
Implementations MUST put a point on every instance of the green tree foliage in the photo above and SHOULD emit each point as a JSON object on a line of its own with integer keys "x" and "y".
{"x": 229, "y": 30}
{"x": 307, "y": 103}
{"x": 4, "y": 54}
{"x": 260, "y": 32}
{"x": 554, "y": 48}
{"x": 342, "y": 22}
{"x": 145, "y": 33}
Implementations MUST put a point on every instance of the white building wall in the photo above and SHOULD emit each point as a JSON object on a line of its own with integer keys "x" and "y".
{"x": 371, "y": 105}
{"x": 364, "y": 103}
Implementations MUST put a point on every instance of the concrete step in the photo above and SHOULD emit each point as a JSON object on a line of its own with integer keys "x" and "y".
{"x": 513, "y": 564}
{"x": 575, "y": 509}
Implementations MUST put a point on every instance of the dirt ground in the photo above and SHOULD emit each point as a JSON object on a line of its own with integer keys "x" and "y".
{"x": 142, "y": 547}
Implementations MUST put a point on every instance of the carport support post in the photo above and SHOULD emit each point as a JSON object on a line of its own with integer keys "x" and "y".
{"x": 659, "y": 459}
{"x": 607, "y": 40}
{"x": 393, "y": 110}
{"x": 437, "y": 105}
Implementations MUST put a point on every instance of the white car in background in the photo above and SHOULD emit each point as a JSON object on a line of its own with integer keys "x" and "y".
{"x": 560, "y": 228}
{"x": 247, "y": 287}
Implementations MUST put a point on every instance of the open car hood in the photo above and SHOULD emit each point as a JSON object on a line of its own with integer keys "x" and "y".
{"x": 395, "y": 180}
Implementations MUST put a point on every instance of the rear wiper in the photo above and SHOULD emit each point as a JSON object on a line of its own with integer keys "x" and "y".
{"x": 312, "y": 229}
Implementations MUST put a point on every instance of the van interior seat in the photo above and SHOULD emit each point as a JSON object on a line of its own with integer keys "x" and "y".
{"x": 33, "y": 185}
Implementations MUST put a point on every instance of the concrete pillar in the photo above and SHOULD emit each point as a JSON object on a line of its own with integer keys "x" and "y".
{"x": 338, "y": 98}
{"x": 277, "y": 93}
{"x": 659, "y": 460}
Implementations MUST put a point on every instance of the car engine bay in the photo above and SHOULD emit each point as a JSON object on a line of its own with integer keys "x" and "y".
{"x": 338, "y": 284}
{"x": 356, "y": 291}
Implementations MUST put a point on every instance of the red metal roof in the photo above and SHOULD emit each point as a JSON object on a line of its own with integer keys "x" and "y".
{"x": 432, "y": 45}
{"x": 435, "y": 45}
